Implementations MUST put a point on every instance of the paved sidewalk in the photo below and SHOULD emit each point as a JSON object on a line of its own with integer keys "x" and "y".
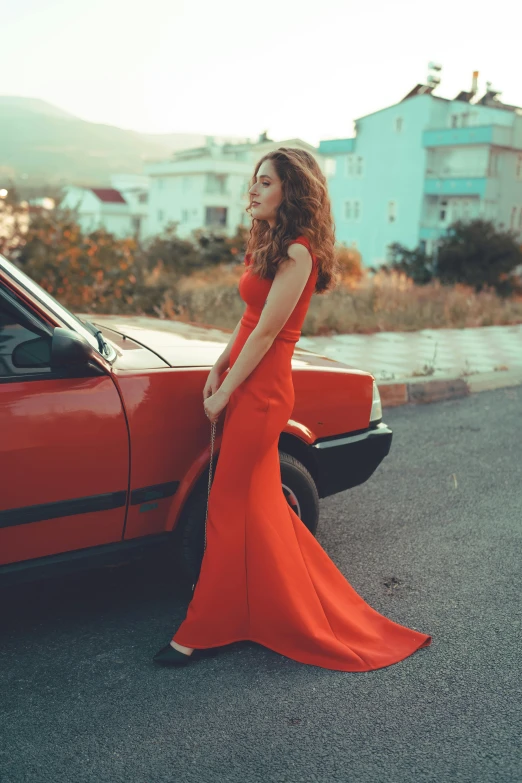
{"x": 432, "y": 364}
{"x": 433, "y": 353}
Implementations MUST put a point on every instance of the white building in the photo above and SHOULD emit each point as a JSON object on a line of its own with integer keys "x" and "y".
{"x": 207, "y": 187}
{"x": 135, "y": 190}
{"x": 120, "y": 209}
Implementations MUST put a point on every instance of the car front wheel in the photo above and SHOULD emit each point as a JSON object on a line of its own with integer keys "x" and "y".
{"x": 299, "y": 490}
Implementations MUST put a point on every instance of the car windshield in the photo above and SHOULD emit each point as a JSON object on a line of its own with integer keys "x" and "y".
{"x": 72, "y": 321}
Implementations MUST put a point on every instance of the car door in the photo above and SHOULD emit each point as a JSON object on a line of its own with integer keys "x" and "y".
{"x": 64, "y": 449}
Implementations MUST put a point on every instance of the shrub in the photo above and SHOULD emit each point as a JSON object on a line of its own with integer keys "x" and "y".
{"x": 416, "y": 264}
{"x": 480, "y": 255}
{"x": 350, "y": 264}
{"x": 94, "y": 273}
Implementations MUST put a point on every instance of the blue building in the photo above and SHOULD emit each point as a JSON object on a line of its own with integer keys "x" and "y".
{"x": 414, "y": 168}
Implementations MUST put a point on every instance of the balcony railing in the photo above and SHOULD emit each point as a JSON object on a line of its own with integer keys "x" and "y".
{"x": 472, "y": 173}
{"x": 500, "y": 135}
{"x": 456, "y": 186}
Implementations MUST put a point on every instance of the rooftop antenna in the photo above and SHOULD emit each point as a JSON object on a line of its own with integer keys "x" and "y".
{"x": 491, "y": 89}
{"x": 433, "y": 78}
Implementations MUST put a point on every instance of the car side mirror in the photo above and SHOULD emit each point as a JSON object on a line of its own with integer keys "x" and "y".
{"x": 70, "y": 349}
{"x": 32, "y": 353}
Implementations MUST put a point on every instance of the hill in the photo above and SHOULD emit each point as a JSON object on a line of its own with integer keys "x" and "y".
{"x": 41, "y": 144}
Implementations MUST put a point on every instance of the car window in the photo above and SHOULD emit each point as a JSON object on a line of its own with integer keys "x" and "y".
{"x": 72, "y": 321}
{"x": 25, "y": 344}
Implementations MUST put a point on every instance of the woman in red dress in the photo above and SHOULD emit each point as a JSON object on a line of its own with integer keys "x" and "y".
{"x": 264, "y": 577}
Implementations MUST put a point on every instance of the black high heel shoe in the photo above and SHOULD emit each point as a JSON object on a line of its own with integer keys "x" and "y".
{"x": 169, "y": 656}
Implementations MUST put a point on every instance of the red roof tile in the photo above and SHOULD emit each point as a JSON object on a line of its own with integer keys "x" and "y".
{"x": 109, "y": 195}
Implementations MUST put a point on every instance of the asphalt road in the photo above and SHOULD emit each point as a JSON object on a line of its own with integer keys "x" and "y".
{"x": 432, "y": 541}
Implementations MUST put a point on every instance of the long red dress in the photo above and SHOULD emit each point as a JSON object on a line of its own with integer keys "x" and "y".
{"x": 264, "y": 577}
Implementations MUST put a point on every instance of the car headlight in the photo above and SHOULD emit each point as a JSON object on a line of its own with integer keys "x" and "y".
{"x": 376, "y": 412}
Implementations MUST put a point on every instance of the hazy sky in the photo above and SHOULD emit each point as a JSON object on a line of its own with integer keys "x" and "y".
{"x": 296, "y": 69}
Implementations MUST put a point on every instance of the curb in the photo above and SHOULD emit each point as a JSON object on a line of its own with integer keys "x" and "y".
{"x": 419, "y": 391}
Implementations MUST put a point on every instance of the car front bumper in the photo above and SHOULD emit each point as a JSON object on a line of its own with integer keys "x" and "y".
{"x": 346, "y": 461}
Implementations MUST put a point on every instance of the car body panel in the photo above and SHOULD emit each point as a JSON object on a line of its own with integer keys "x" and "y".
{"x": 62, "y": 440}
{"x": 131, "y": 355}
{"x": 169, "y": 433}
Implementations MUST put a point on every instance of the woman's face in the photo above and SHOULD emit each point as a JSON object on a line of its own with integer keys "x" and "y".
{"x": 266, "y": 193}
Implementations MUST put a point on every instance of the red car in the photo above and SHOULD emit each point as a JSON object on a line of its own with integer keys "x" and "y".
{"x": 104, "y": 444}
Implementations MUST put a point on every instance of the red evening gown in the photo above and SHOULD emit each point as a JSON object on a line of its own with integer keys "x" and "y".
{"x": 264, "y": 577}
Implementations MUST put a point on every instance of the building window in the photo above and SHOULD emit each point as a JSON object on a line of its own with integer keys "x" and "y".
{"x": 398, "y": 124}
{"x": 216, "y": 183}
{"x": 353, "y": 166}
{"x": 143, "y": 198}
{"x": 216, "y": 216}
{"x": 493, "y": 164}
{"x": 512, "y": 219}
{"x": 460, "y": 120}
{"x": 330, "y": 166}
{"x": 352, "y": 210}
{"x": 443, "y": 211}
{"x": 184, "y": 215}
{"x": 519, "y": 167}
{"x": 392, "y": 211}
{"x": 160, "y": 216}
{"x": 456, "y": 209}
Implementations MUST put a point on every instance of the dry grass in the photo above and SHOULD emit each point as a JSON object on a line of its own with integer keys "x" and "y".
{"x": 372, "y": 303}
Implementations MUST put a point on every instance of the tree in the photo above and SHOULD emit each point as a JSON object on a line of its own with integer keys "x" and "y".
{"x": 478, "y": 254}
{"x": 419, "y": 266}
{"x": 168, "y": 252}
{"x": 218, "y": 248}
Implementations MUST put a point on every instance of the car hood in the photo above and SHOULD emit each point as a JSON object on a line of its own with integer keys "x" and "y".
{"x": 181, "y": 344}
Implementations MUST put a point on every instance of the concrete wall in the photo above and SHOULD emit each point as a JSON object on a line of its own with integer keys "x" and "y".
{"x": 389, "y": 188}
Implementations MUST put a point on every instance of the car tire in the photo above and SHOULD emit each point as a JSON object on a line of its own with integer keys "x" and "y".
{"x": 298, "y": 487}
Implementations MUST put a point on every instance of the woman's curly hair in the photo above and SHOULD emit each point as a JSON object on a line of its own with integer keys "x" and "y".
{"x": 305, "y": 210}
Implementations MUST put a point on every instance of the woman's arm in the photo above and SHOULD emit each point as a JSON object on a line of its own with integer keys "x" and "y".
{"x": 221, "y": 364}
{"x": 287, "y": 287}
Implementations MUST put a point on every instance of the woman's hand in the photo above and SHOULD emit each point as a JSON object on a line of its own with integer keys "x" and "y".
{"x": 214, "y": 404}
{"x": 216, "y": 401}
